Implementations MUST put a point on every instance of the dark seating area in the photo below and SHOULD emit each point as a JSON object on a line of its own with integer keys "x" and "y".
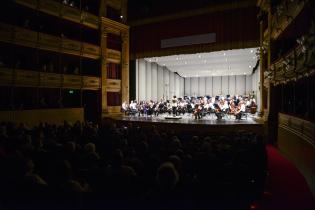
{"x": 91, "y": 166}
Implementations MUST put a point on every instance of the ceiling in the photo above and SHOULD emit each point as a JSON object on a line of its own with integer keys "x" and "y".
{"x": 139, "y": 9}
{"x": 220, "y": 63}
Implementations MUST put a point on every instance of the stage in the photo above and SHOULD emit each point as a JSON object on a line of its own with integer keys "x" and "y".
{"x": 188, "y": 123}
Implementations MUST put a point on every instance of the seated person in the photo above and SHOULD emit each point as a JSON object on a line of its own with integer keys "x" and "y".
{"x": 198, "y": 111}
{"x": 218, "y": 111}
{"x": 125, "y": 107}
{"x": 240, "y": 110}
{"x": 133, "y": 107}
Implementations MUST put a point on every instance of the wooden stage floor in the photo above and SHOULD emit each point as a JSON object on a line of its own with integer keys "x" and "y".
{"x": 189, "y": 123}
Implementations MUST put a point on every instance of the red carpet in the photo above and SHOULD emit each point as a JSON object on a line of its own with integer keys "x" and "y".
{"x": 286, "y": 187}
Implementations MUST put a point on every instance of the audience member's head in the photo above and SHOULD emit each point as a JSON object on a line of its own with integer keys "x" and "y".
{"x": 167, "y": 177}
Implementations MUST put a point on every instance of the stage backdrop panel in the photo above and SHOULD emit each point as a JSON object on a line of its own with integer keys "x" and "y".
{"x": 172, "y": 84}
{"x": 209, "y": 90}
{"x": 148, "y": 80}
{"x": 202, "y": 86}
{"x": 217, "y": 86}
{"x": 154, "y": 82}
{"x": 232, "y": 85}
{"x": 248, "y": 84}
{"x": 240, "y": 84}
{"x": 142, "y": 78}
{"x": 177, "y": 85}
{"x": 225, "y": 85}
{"x": 194, "y": 87}
{"x": 166, "y": 79}
{"x": 187, "y": 86}
{"x": 221, "y": 85}
{"x": 182, "y": 86}
{"x": 160, "y": 83}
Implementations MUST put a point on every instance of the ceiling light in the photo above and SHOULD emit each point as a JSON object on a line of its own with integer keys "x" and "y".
{"x": 199, "y": 56}
{"x": 150, "y": 60}
{"x": 224, "y": 54}
{"x": 250, "y": 66}
{"x": 244, "y": 73}
{"x": 176, "y": 58}
{"x": 252, "y": 51}
{"x": 121, "y": 17}
{"x": 163, "y": 64}
{"x": 157, "y": 59}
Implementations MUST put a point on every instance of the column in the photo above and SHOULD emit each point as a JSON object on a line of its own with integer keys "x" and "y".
{"x": 103, "y": 68}
{"x": 125, "y": 66}
{"x": 261, "y": 57}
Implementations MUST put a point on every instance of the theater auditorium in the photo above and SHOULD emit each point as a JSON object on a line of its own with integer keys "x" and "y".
{"x": 168, "y": 104}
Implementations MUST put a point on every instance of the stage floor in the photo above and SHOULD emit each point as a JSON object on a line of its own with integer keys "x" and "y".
{"x": 188, "y": 124}
{"x": 189, "y": 119}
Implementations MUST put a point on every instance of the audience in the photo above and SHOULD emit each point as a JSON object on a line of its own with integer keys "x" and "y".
{"x": 86, "y": 166}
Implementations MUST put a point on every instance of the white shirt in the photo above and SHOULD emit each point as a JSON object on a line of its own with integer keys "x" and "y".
{"x": 133, "y": 106}
{"x": 242, "y": 108}
{"x": 124, "y": 106}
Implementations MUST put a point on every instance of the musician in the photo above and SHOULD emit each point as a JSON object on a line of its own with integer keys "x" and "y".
{"x": 150, "y": 107}
{"x": 218, "y": 111}
{"x": 189, "y": 106}
{"x": 174, "y": 105}
{"x": 125, "y": 107}
{"x": 181, "y": 107}
{"x": 225, "y": 105}
{"x": 198, "y": 110}
{"x": 241, "y": 108}
{"x": 133, "y": 106}
{"x": 232, "y": 107}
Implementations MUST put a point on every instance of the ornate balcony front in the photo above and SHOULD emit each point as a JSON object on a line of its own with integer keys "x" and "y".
{"x": 63, "y": 11}
{"x": 26, "y": 78}
{"x": 33, "y": 39}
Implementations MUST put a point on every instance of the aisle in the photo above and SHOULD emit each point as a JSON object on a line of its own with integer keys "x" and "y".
{"x": 286, "y": 187}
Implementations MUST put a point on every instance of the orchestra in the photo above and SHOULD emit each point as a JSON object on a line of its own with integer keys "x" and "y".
{"x": 198, "y": 107}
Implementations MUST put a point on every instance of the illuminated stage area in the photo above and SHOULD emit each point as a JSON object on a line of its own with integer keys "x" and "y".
{"x": 207, "y": 124}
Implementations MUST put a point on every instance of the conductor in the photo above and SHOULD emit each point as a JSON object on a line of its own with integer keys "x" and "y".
{"x": 174, "y": 105}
